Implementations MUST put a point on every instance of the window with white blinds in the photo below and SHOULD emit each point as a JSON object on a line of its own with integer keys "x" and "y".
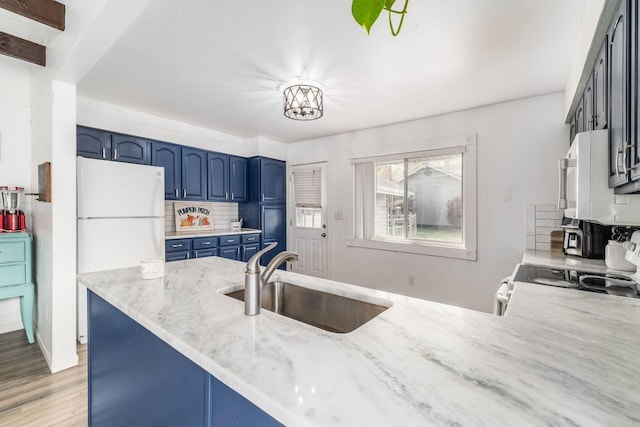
{"x": 307, "y": 187}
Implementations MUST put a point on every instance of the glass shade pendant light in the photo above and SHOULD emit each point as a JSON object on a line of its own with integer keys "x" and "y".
{"x": 303, "y": 102}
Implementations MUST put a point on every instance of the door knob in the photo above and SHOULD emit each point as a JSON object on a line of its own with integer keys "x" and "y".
{"x": 324, "y": 234}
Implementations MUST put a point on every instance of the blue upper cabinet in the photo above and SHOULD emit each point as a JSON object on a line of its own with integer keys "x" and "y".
{"x": 194, "y": 174}
{"x": 272, "y": 181}
{"x": 93, "y": 143}
{"x": 238, "y": 179}
{"x": 226, "y": 178}
{"x": 217, "y": 177}
{"x": 130, "y": 149}
{"x": 169, "y": 157}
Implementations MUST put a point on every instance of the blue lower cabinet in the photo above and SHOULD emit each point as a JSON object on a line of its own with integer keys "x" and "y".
{"x": 202, "y": 253}
{"x": 177, "y": 256}
{"x": 136, "y": 379}
{"x": 230, "y": 252}
{"x": 249, "y": 250}
{"x": 177, "y": 245}
{"x": 266, "y": 258}
{"x": 234, "y": 246}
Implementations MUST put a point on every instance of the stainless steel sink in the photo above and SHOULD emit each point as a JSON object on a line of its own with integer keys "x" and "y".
{"x": 333, "y": 313}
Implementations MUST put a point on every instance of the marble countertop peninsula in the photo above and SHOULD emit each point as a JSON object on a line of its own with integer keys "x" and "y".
{"x": 208, "y": 233}
{"x": 559, "y": 357}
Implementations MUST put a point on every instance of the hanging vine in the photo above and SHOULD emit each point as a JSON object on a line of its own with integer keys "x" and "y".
{"x": 366, "y": 12}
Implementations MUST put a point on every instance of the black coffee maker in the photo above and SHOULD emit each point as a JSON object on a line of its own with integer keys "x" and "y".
{"x": 585, "y": 239}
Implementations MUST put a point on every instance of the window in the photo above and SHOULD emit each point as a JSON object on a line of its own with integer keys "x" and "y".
{"x": 419, "y": 202}
{"x": 307, "y": 190}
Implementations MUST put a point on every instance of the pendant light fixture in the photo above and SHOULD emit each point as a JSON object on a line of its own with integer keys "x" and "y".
{"x": 303, "y": 102}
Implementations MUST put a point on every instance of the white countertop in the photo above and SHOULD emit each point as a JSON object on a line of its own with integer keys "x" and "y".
{"x": 208, "y": 233}
{"x": 559, "y": 260}
{"x": 559, "y": 357}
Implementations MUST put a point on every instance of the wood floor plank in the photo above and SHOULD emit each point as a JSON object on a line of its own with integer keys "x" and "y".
{"x": 30, "y": 395}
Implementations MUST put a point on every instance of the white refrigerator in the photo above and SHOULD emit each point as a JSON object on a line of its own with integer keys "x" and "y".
{"x": 120, "y": 220}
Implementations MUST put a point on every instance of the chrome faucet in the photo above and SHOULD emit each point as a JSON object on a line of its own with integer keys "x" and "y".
{"x": 254, "y": 281}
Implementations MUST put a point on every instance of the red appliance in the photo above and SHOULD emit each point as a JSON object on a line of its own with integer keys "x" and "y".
{"x": 13, "y": 218}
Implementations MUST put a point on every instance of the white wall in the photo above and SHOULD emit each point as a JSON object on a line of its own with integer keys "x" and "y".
{"x": 15, "y": 153}
{"x": 518, "y": 146}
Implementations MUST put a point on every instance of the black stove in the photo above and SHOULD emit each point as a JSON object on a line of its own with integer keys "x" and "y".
{"x": 611, "y": 284}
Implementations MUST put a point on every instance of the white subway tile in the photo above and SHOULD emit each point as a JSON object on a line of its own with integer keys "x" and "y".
{"x": 549, "y": 215}
{"x": 543, "y": 246}
{"x": 546, "y": 223}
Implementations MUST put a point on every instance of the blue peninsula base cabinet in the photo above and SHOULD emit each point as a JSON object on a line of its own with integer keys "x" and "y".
{"x": 136, "y": 379}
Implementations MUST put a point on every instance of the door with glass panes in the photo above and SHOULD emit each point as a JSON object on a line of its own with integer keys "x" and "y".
{"x": 309, "y": 234}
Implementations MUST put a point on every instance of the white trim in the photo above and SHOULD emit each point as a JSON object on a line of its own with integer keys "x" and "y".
{"x": 468, "y": 248}
{"x": 411, "y": 154}
{"x": 459, "y": 251}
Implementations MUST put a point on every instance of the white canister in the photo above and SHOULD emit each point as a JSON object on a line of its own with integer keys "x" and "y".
{"x": 614, "y": 254}
{"x": 152, "y": 268}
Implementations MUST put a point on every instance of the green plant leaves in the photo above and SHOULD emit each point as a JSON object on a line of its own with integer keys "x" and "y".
{"x": 366, "y": 12}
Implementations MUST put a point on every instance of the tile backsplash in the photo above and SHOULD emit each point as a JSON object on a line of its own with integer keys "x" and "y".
{"x": 222, "y": 214}
{"x": 541, "y": 221}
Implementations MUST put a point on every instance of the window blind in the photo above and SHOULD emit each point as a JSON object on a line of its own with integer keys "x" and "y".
{"x": 307, "y": 187}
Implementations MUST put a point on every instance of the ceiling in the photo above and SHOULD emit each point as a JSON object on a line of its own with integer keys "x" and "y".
{"x": 219, "y": 64}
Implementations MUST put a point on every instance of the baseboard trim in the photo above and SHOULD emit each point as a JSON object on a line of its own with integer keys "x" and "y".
{"x": 10, "y": 327}
{"x": 43, "y": 348}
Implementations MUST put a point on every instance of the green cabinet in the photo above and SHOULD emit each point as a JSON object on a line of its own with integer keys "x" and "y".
{"x": 15, "y": 275}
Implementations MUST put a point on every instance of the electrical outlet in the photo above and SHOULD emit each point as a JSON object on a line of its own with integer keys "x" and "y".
{"x": 412, "y": 280}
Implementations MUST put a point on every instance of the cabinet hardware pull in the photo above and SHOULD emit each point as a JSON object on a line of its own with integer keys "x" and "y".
{"x": 206, "y": 243}
{"x": 627, "y": 148}
{"x": 184, "y": 193}
{"x": 177, "y": 194}
{"x": 226, "y": 195}
{"x": 563, "y": 165}
{"x": 618, "y": 153}
{"x": 176, "y": 246}
{"x": 233, "y": 196}
{"x": 115, "y": 153}
{"x": 104, "y": 153}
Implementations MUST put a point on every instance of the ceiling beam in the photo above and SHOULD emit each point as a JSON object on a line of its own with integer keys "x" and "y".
{"x": 22, "y": 49}
{"x": 48, "y": 12}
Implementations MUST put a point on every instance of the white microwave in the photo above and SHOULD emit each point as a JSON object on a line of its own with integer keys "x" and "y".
{"x": 584, "y": 189}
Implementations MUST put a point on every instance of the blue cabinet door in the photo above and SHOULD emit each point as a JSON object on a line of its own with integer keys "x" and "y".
{"x": 238, "y": 180}
{"x": 230, "y": 252}
{"x": 249, "y": 250}
{"x": 273, "y": 222}
{"x": 273, "y": 181}
{"x": 168, "y": 156}
{"x": 135, "y": 379}
{"x": 194, "y": 174}
{"x": 93, "y": 143}
{"x": 217, "y": 177}
{"x": 203, "y": 253}
{"x": 130, "y": 149}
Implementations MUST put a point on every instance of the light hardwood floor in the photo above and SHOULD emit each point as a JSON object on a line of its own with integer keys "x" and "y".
{"x": 30, "y": 395}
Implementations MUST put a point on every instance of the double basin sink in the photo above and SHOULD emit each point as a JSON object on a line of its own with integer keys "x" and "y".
{"x": 324, "y": 310}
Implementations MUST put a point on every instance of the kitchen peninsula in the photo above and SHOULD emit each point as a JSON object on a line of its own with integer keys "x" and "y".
{"x": 557, "y": 357}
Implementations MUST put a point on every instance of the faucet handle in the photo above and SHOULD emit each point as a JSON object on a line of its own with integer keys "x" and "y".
{"x": 253, "y": 265}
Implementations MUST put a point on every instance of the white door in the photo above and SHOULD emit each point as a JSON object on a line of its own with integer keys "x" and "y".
{"x": 309, "y": 219}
